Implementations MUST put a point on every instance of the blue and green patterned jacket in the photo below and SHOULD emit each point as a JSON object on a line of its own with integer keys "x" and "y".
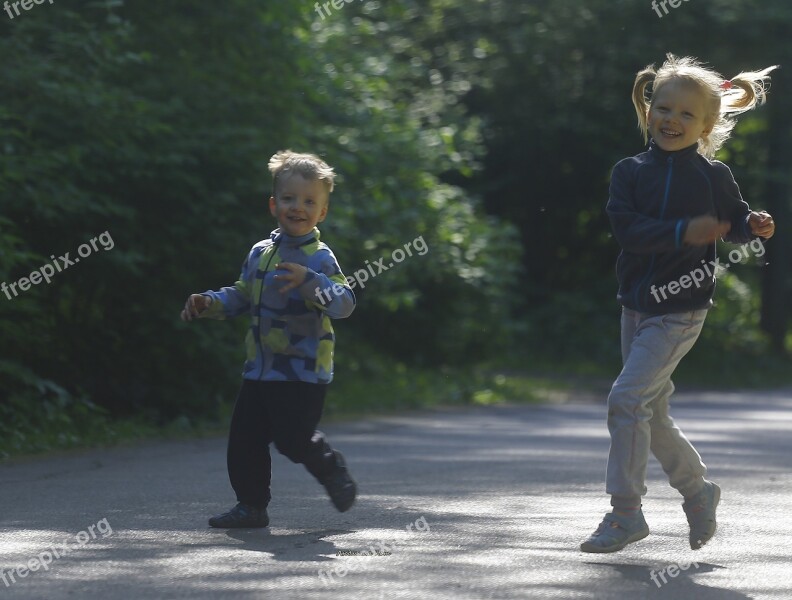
{"x": 291, "y": 337}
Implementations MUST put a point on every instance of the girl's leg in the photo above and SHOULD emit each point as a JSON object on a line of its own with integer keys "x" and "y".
{"x": 658, "y": 343}
{"x": 676, "y": 454}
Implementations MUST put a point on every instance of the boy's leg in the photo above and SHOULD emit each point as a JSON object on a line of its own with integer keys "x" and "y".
{"x": 676, "y": 454}
{"x": 249, "y": 463}
{"x": 659, "y": 342}
{"x": 296, "y": 410}
{"x": 295, "y": 419}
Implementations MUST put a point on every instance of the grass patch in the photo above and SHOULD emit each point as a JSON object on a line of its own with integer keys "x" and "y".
{"x": 38, "y": 426}
{"x": 53, "y": 421}
{"x": 369, "y": 390}
{"x": 58, "y": 422}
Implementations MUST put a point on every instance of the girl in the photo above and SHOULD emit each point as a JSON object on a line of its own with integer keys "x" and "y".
{"x": 667, "y": 207}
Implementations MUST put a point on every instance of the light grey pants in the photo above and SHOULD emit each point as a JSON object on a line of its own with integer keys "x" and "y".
{"x": 638, "y": 419}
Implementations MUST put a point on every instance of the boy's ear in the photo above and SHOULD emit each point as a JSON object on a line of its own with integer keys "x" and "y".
{"x": 323, "y": 214}
{"x": 272, "y": 205}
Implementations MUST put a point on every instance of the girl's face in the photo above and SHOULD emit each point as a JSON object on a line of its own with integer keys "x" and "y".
{"x": 678, "y": 116}
{"x": 300, "y": 204}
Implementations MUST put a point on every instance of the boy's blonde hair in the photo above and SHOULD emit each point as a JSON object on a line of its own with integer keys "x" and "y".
{"x": 724, "y": 98}
{"x": 309, "y": 166}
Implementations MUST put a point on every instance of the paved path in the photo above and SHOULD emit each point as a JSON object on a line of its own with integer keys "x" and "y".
{"x": 498, "y": 498}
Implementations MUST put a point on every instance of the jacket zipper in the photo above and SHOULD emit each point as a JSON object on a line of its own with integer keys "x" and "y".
{"x": 258, "y": 308}
{"x": 668, "y": 185}
{"x": 648, "y": 277}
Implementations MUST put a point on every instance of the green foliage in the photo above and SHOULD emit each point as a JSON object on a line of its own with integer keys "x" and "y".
{"x": 733, "y": 323}
{"x": 46, "y": 416}
{"x": 154, "y": 123}
{"x": 487, "y": 129}
{"x": 369, "y": 384}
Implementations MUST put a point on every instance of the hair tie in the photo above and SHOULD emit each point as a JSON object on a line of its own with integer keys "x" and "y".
{"x": 726, "y": 85}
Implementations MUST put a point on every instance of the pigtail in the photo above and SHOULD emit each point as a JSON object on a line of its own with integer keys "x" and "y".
{"x": 751, "y": 91}
{"x": 725, "y": 99}
{"x": 640, "y": 101}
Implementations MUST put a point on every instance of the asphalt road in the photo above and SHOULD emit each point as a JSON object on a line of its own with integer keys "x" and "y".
{"x": 460, "y": 503}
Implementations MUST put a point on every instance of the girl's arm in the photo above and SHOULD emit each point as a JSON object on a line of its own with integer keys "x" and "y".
{"x": 761, "y": 224}
{"x": 730, "y": 205}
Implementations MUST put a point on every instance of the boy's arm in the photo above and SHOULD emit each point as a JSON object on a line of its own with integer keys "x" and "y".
{"x": 330, "y": 294}
{"x": 229, "y": 302}
{"x": 327, "y": 289}
{"x": 635, "y": 232}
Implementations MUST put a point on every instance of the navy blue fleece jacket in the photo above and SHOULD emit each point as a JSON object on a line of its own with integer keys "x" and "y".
{"x": 653, "y": 197}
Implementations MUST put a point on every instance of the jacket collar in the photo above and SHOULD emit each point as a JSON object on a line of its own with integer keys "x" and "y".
{"x": 658, "y": 153}
{"x": 278, "y": 237}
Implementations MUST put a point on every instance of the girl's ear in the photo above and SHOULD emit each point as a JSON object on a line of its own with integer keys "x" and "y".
{"x": 272, "y": 205}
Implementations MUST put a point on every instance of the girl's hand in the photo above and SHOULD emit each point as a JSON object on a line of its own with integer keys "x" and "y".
{"x": 195, "y": 305}
{"x": 704, "y": 230}
{"x": 295, "y": 277}
{"x": 761, "y": 224}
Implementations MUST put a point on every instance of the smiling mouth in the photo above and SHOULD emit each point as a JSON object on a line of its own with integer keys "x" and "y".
{"x": 670, "y": 132}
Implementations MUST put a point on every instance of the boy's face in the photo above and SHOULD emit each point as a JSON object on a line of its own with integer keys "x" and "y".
{"x": 678, "y": 116}
{"x": 299, "y": 204}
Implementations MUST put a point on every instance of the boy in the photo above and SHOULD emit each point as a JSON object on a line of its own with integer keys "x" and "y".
{"x": 291, "y": 286}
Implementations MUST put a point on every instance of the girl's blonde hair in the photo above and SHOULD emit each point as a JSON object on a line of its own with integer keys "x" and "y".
{"x": 725, "y": 99}
{"x": 309, "y": 166}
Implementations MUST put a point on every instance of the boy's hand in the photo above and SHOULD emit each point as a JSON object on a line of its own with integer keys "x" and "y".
{"x": 195, "y": 305}
{"x": 704, "y": 230}
{"x": 761, "y": 224}
{"x": 295, "y": 276}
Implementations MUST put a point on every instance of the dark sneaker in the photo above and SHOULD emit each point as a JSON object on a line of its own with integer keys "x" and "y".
{"x": 242, "y": 516}
{"x": 340, "y": 486}
{"x": 700, "y": 511}
{"x": 615, "y": 532}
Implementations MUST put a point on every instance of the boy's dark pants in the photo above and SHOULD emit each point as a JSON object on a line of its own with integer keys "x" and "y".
{"x": 284, "y": 412}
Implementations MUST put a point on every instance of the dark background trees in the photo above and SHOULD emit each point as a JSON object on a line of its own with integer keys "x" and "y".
{"x": 488, "y": 128}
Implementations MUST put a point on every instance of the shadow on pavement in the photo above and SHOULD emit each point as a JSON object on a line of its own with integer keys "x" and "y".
{"x": 290, "y": 546}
